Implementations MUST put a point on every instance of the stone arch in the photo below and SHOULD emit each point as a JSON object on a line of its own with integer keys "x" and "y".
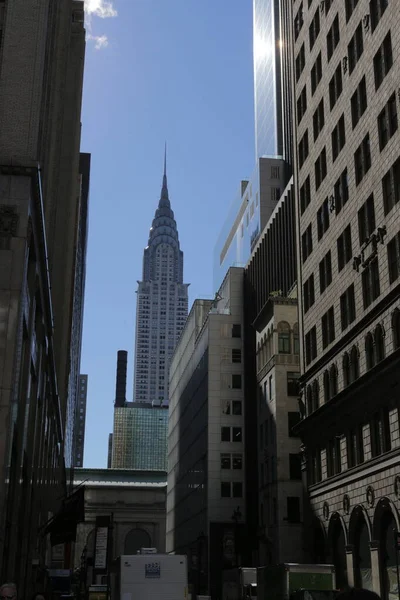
{"x": 360, "y": 535}
{"x": 135, "y": 539}
{"x": 337, "y": 542}
{"x": 386, "y": 519}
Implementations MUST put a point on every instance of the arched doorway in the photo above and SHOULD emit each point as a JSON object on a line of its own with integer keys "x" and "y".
{"x": 337, "y": 544}
{"x": 385, "y": 524}
{"x": 360, "y": 537}
{"x": 136, "y": 539}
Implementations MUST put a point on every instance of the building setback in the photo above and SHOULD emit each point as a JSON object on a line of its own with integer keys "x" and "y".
{"x": 162, "y": 305}
{"x": 347, "y": 182}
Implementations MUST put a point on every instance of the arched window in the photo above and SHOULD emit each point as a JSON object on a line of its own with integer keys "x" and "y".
{"x": 354, "y": 364}
{"x": 135, "y": 540}
{"x": 327, "y": 386}
{"x": 346, "y": 370}
{"x": 333, "y": 380}
{"x": 283, "y": 338}
{"x": 369, "y": 351}
{"x": 315, "y": 394}
{"x": 396, "y": 328}
{"x": 296, "y": 339}
{"x": 379, "y": 343}
{"x": 309, "y": 396}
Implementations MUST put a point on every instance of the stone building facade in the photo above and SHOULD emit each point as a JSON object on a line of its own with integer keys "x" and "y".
{"x": 279, "y": 467}
{"x": 137, "y": 502}
{"x": 347, "y": 70}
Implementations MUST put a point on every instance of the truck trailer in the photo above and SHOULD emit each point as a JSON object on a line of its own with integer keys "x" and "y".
{"x": 292, "y": 581}
{"x": 151, "y": 577}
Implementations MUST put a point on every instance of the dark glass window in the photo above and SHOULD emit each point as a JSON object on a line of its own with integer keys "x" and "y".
{"x": 308, "y": 293}
{"x": 236, "y": 381}
{"x": 293, "y": 509}
{"x": 355, "y": 48}
{"x": 225, "y": 461}
{"x": 344, "y": 248}
{"x": 335, "y": 86}
{"x": 323, "y": 218}
{"x": 305, "y": 195}
{"x": 370, "y": 283}
{"x": 236, "y": 355}
{"x": 362, "y": 159}
{"x": 393, "y": 257}
{"x": 328, "y": 327}
{"x": 333, "y": 37}
{"x": 316, "y": 73}
{"x": 325, "y": 272}
{"x": 293, "y": 387}
{"x": 383, "y": 60}
{"x": 294, "y": 466}
{"x": 225, "y": 489}
{"x": 341, "y": 191}
{"x": 391, "y": 187}
{"x": 306, "y": 243}
{"x": 359, "y": 102}
{"x": 366, "y": 219}
{"x": 236, "y": 331}
{"x": 387, "y": 122}
{"x": 225, "y": 434}
{"x": 347, "y": 307}
{"x": 376, "y": 10}
{"x": 236, "y": 434}
{"x": 237, "y": 489}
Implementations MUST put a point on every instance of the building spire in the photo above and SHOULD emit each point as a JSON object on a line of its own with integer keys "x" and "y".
{"x": 164, "y": 200}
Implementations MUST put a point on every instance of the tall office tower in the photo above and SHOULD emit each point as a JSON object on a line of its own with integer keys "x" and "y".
{"x": 41, "y": 76}
{"x": 347, "y": 57}
{"x": 80, "y": 421}
{"x": 162, "y": 305}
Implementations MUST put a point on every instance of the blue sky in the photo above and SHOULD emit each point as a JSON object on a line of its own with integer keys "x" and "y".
{"x": 156, "y": 70}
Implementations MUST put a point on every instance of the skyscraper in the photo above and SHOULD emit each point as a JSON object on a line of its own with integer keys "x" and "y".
{"x": 80, "y": 420}
{"x": 162, "y": 304}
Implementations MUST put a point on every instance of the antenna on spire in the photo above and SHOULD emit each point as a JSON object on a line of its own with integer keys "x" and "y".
{"x": 165, "y": 159}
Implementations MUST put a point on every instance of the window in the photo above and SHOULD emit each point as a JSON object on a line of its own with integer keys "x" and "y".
{"x": 391, "y": 187}
{"x": 237, "y": 461}
{"x": 328, "y": 4}
{"x": 333, "y": 37}
{"x": 236, "y": 434}
{"x": 314, "y": 28}
{"x": 225, "y": 461}
{"x": 236, "y": 355}
{"x": 350, "y": 6}
{"x": 293, "y": 419}
{"x": 308, "y": 293}
{"x": 301, "y": 104}
{"x": 347, "y": 307}
{"x": 328, "y": 327}
{"x": 306, "y": 243}
{"x": 316, "y": 73}
{"x": 318, "y": 119}
{"x": 383, "y": 61}
{"x": 300, "y": 62}
{"x": 376, "y": 10}
{"x": 355, "y": 48}
{"x": 294, "y": 466}
{"x": 370, "y": 283}
{"x": 298, "y": 22}
{"x": 335, "y": 86}
{"x": 380, "y": 433}
{"x": 355, "y": 447}
{"x": 305, "y": 195}
{"x": 338, "y": 138}
{"x": 236, "y": 381}
{"x": 315, "y": 467}
{"x": 311, "y": 345}
{"x": 325, "y": 272}
{"x": 396, "y": 328}
{"x": 393, "y": 257}
{"x": 362, "y": 159}
{"x": 293, "y": 387}
{"x": 354, "y": 364}
{"x": 283, "y": 338}
{"x": 225, "y": 434}
{"x": 296, "y": 339}
{"x": 359, "y": 102}
{"x": 225, "y": 489}
{"x": 366, "y": 220}
{"x": 323, "y": 219}
{"x": 293, "y": 509}
{"x": 387, "y": 122}
{"x": 379, "y": 339}
{"x": 236, "y": 407}
{"x": 236, "y": 331}
{"x": 237, "y": 489}
{"x": 333, "y": 456}
{"x": 320, "y": 169}
{"x": 344, "y": 248}
{"x": 303, "y": 149}
{"x": 346, "y": 370}
{"x": 341, "y": 191}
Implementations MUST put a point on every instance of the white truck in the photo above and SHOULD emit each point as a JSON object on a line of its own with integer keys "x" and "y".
{"x": 151, "y": 577}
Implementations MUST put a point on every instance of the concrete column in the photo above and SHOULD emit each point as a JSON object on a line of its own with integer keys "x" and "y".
{"x": 350, "y": 565}
{"x": 375, "y": 570}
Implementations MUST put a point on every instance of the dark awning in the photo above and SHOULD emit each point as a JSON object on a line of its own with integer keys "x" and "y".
{"x": 62, "y": 527}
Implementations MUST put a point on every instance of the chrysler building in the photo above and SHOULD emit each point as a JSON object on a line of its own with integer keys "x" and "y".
{"x": 162, "y": 305}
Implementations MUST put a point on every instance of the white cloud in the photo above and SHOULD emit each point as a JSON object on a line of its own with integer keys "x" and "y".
{"x": 100, "y": 8}
{"x": 101, "y": 41}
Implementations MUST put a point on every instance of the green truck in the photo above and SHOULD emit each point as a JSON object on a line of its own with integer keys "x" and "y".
{"x": 291, "y": 581}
